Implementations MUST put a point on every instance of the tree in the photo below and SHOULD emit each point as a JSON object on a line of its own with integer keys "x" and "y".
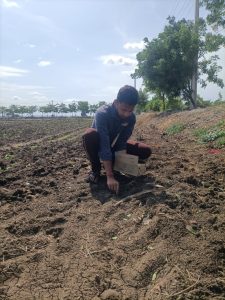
{"x": 166, "y": 62}
{"x": 83, "y": 107}
{"x": 22, "y": 109}
{"x": 93, "y": 108}
{"x": 3, "y": 110}
{"x": 216, "y": 16}
{"x": 13, "y": 110}
{"x": 73, "y": 107}
{"x": 101, "y": 103}
{"x": 154, "y": 104}
{"x": 43, "y": 110}
{"x": 62, "y": 108}
{"x": 52, "y": 108}
{"x": 143, "y": 100}
{"x": 31, "y": 110}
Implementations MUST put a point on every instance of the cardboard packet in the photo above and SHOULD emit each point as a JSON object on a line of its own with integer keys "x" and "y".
{"x": 128, "y": 164}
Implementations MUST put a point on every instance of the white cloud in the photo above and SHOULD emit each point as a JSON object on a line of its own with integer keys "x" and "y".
{"x": 11, "y": 72}
{"x": 29, "y": 45}
{"x": 133, "y": 46}
{"x": 9, "y": 3}
{"x": 18, "y": 87}
{"x": 16, "y": 99}
{"x": 117, "y": 60}
{"x": 25, "y": 94}
{"x": 32, "y": 46}
{"x": 17, "y": 61}
{"x": 39, "y": 98}
{"x": 44, "y": 63}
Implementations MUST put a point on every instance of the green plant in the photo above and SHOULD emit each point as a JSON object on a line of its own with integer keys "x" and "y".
{"x": 220, "y": 143}
{"x": 212, "y": 135}
{"x": 221, "y": 123}
{"x": 8, "y": 156}
{"x": 200, "y": 132}
{"x": 175, "y": 128}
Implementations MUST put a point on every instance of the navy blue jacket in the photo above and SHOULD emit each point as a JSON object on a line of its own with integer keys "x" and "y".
{"x": 108, "y": 124}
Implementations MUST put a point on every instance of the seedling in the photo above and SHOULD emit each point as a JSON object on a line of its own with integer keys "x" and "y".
{"x": 154, "y": 276}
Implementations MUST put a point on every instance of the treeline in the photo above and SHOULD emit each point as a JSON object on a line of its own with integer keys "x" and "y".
{"x": 51, "y": 109}
{"x": 172, "y": 104}
{"x": 146, "y": 103}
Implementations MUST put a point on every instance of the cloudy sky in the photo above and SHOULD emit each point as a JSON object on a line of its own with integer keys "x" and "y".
{"x": 79, "y": 49}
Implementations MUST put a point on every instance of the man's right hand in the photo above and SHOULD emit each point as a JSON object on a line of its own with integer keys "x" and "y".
{"x": 113, "y": 184}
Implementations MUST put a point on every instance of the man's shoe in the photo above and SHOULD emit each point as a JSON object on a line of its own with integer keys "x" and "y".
{"x": 93, "y": 177}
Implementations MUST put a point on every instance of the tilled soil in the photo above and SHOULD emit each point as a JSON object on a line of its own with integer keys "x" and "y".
{"x": 162, "y": 237}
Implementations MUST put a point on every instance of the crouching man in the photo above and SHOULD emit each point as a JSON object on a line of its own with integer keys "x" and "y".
{"x": 111, "y": 129}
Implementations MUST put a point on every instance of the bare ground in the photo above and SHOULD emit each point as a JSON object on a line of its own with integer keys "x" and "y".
{"x": 162, "y": 237}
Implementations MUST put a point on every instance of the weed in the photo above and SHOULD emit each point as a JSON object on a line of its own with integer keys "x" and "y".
{"x": 200, "y": 132}
{"x": 175, "y": 128}
{"x": 214, "y": 134}
{"x": 8, "y": 156}
{"x": 220, "y": 143}
{"x": 221, "y": 123}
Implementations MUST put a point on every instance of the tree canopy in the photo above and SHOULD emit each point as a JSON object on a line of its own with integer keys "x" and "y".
{"x": 166, "y": 64}
{"x": 216, "y": 9}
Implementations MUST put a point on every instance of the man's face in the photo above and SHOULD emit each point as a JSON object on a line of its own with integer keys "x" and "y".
{"x": 124, "y": 110}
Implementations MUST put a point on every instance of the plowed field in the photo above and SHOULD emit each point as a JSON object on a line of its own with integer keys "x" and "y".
{"x": 162, "y": 237}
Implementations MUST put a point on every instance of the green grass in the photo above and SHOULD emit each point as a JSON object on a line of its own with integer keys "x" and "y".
{"x": 220, "y": 142}
{"x": 214, "y": 134}
{"x": 175, "y": 128}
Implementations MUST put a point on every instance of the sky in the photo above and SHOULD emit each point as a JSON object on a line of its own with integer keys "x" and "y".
{"x": 82, "y": 50}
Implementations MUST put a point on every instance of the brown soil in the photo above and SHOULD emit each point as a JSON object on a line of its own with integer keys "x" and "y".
{"x": 162, "y": 237}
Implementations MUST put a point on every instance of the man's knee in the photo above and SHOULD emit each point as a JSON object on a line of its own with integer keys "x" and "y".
{"x": 140, "y": 149}
{"x": 90, "y": 132}
{"x": 91, "y": 137}
{"x": 144, "y": 151}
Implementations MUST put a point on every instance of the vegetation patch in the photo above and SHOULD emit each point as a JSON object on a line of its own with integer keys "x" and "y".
{"x": 214, "y": 134}
{"x": 175, "y": 128}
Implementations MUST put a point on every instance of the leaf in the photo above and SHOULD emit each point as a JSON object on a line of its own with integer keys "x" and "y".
{"x": 190, "y": 229}
{"x": 150, "y": 247}
{"x": 154, "y": 276}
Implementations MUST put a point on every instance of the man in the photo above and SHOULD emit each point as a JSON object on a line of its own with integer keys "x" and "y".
{"x": 112, "y": 126}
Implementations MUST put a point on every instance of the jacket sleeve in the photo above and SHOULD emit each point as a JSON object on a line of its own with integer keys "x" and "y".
{"x": 125, "y": 134}
{"x": 105, "y": 152}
